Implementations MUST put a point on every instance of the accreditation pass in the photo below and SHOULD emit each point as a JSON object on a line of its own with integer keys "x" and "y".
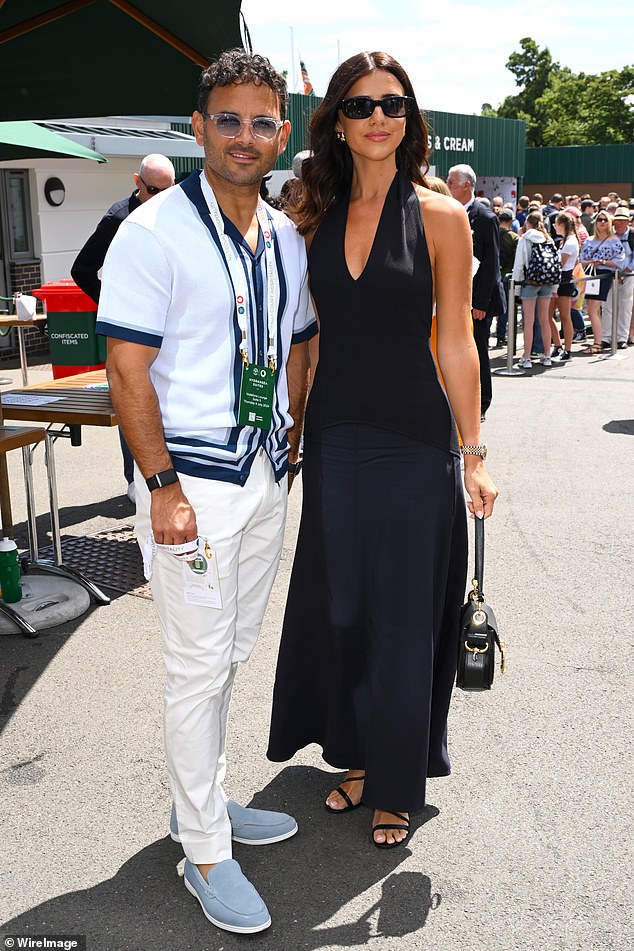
{"x": 256, "y": 396}
{"x": 201, "y": 584}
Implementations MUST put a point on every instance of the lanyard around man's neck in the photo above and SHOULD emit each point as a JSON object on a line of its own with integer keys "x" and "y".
{"x": 209, "y": 210}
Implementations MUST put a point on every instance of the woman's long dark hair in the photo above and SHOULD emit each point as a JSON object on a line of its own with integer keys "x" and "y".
{"x": 327, "y": 174}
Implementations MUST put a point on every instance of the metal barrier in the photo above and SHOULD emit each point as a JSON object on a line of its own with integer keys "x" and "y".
{"x": 511, "y": 330}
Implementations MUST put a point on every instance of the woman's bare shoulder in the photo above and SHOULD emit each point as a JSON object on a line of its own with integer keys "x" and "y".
{"x": 443, "y": 216}
{"x": 437, "y": 205}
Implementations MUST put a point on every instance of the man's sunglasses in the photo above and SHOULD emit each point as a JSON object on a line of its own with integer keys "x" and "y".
{"x": 362, "y": 107}
{"x": 229, "y": 125}
{"x": 152, "y": 189}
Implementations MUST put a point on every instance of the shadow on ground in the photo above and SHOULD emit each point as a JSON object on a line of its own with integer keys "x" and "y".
{"x": 24, "y": 660}
{"x": 624, "y": 426}
{"x": 117, "y": 508}
{"x": 314, "y": 885}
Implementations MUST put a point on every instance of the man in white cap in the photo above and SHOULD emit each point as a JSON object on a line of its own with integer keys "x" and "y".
{"x": 624, "y": 285}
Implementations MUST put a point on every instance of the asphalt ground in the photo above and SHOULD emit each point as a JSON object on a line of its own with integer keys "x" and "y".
{"x": 528, "y": 845}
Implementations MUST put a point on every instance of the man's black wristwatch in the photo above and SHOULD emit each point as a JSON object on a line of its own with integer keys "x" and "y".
{"x": 295, "y": 467}
{"x": 161, "y": 478}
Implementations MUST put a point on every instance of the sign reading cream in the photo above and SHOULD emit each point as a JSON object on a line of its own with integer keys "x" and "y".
{"x": 450, "y": 143}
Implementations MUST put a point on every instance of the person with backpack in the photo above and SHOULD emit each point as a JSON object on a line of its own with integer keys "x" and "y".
{"x": 566, "y": 229}
{"x": 537, "y": 269}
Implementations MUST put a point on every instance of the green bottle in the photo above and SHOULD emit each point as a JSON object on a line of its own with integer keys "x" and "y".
{"x": 10, "y": 571}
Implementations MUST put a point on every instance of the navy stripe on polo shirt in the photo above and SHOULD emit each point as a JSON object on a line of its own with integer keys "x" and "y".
{"x": 166, "y": 285}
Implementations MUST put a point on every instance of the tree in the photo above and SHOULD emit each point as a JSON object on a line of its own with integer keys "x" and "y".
{"x": 560, "y": 107}
{"x": 589, "y": 109}
{"x": 533, "y": 69}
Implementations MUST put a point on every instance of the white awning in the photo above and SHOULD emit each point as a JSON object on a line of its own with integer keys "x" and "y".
{"x": 128, "y": 140}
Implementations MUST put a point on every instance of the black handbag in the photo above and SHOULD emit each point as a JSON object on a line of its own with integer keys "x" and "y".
{"x": 478, "y": 630}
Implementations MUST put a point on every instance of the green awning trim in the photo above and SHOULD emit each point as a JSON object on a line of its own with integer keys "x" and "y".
{"x": 24, "y": 140}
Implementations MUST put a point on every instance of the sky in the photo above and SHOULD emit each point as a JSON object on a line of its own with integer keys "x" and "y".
{"x": 454, "y": 52}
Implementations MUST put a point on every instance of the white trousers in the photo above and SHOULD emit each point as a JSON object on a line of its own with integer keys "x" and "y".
{"x": 202, "y": 646}
{"x": 625, "y": 293}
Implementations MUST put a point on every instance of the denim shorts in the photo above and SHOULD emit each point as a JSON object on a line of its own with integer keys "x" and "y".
{"x": 530, "y": 291}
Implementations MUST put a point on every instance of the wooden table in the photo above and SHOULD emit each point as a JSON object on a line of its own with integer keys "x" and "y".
{"x": 72, "y": 406}
{"x": 12, "y": 320}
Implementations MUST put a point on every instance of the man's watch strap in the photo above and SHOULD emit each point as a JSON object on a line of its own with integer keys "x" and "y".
{"x": 295, "y": 467}
{"x": 160, "y": 479}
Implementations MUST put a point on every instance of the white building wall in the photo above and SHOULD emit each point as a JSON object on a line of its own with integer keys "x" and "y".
{"x": 91, "y": 188}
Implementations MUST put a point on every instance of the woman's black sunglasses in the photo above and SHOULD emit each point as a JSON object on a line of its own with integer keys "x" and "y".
{"x": 362, "y": 107}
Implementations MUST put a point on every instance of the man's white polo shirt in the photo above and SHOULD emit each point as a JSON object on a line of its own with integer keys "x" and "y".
{"x": 165, "y": 284}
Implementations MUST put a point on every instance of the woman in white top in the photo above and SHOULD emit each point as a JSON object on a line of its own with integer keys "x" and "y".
{"x": 605, "y": 252}
{"x": 566, "y": 228}
{"x": 534, "y": 232}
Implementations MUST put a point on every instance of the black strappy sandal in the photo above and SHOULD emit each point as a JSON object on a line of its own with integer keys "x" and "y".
{"x": 344, "y": 795}
{"x": 390, "y": 825}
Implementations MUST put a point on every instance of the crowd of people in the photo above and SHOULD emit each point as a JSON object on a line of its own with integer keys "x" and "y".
{"x": 594, "y": 241}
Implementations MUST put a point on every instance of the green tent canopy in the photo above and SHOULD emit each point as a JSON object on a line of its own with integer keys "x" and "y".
{"x": 84, "y": 58}
{"x": 22, "y": 140}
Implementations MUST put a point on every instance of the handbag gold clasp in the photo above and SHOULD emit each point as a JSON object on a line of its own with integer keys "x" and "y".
{"x": 474, "y": 594}
{"x": 476, "y": 650}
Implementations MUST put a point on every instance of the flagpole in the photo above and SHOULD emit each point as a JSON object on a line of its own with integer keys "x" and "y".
{"x": 294, "y": 66}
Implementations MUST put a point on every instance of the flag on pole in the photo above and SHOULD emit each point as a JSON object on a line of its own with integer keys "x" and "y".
{"x": 304, "y": 81}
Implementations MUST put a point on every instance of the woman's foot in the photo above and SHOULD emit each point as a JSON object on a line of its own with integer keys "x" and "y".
{"x": 348, "y": 794}
{"x": 389, "y": 829}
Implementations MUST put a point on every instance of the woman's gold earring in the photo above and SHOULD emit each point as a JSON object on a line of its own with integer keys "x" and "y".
{"x": 341, "y": 136}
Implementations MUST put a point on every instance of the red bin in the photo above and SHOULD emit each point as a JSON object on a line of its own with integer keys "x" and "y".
{"x": 72, "y": 315}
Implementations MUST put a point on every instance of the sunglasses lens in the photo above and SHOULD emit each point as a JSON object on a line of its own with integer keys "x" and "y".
{"x": 359, "y": 107}
{"x": 264, "y": 128}
{"x": 228, "y": 125}
{"x": 394, "y": 106}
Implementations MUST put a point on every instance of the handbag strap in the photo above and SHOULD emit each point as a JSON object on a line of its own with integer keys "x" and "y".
{"x": 476, "y": 595}
{"x": 479, "y": 553}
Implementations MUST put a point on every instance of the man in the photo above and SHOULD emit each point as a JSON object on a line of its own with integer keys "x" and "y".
{"x": 155, "y": 174}
{"x": 487, "y": 292}
{"x": 624, "y": 286}
{"x": 587, "y": 215}
{"x": 497, "y": 204}
{"x": 515, "y": 225}
{"x": 508, "y": 248}
{"x": 551, "y": 210}
{"x": 522, "y": 209}
{"x": 205, "y": 301}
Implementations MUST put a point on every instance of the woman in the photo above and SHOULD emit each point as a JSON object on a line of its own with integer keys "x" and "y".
{"x": 604, "y": 253}
{"x": 369, "y": 645}
{"x": 533, "y": 294}
{"x": 582, "y": 232}
{"x": 566, "y": 229}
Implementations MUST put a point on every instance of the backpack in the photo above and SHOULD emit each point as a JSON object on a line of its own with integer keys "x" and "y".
{"x": 544, "y": 266}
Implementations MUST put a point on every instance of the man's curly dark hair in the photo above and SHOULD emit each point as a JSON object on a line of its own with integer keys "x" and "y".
{"x": 237, "y": 66}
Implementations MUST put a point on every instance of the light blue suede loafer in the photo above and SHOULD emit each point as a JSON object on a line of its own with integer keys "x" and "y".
{"x": 227, "y": 898}
{"x": 259, "y": 826}
{"x": 250, "y": 826}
